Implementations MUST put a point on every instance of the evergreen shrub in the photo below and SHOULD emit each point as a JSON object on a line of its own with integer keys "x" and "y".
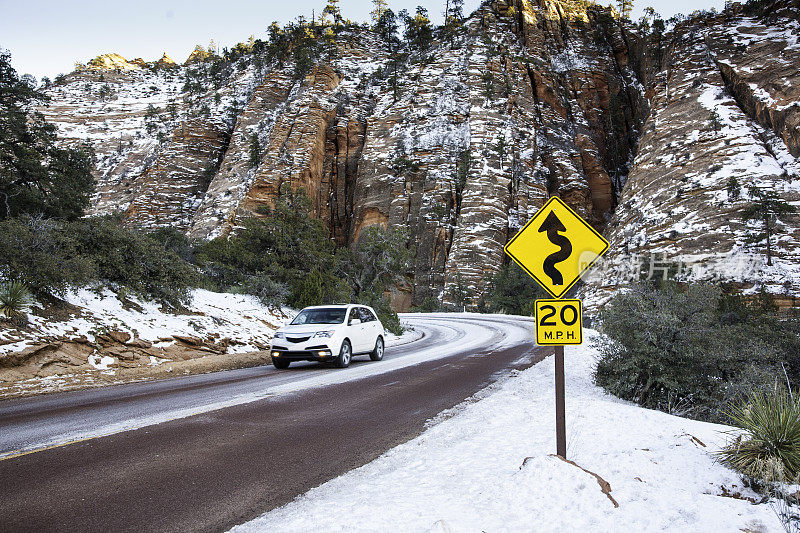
{"x": 692, "y": 350}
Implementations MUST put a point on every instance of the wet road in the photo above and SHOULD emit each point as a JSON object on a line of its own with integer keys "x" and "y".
{"x": 204, "y": 453}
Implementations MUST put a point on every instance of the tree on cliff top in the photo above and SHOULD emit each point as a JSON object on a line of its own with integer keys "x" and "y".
{"x": 386, "y": 28}
{"x": 332, "y": 9}
{"x": 625, "y": 7}
{"x": 453, "y": 19}
{"x": 380, "y": 7}
{"x": 37, "y": 177}
{"x": 418, "y": 29}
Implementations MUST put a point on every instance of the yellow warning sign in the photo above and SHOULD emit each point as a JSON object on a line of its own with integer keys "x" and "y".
{"x": 556, "y": 246}
{"x": 559, "y": 322}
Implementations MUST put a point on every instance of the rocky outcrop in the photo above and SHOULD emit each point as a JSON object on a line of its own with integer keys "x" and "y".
{"x": 537, "y": 98}
{"x": 165, "y": 62}
{"x": 170, "y": 190}
{"x": 157, "y": 151}
{"x": 60, "y": 363}
{"x": 113, "y": 62}
{"x": 198, "y": 55}
{"x": 721, "y": 122}
{"x": 218, "y": 209}
{"x": 758, "y": 59}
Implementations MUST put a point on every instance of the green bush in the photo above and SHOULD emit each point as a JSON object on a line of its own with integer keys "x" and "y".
{"x": 269, "y": 292}
{"x": 431, "y": 304}
{"x": 690, "y": 350}
{"x": 380, "y": 259}
{"x": 769, "y": 449}
{"x": 287, "y": 246}
{"x": 134, "y": 260}
{"x": 173, "y": 239}
{"x": 379, "y": 302}
{"x": 38, "y": 177}
{"x": 41, "y": 254}
{"x": 51, "y": 256}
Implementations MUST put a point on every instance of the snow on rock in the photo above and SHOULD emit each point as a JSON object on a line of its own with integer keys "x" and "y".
{"x": 479, "y": 129}
{"x": 489, "y": 467}
{"x": 713, "y": 132}
{"x": 101, "y": 362}
{"x": 561, "y": 99}
{"x": 240, "y": 318}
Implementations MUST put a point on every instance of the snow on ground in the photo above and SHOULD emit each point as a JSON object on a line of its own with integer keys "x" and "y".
{"x": 241, "y": 318}
{"x": 466, "y": 472}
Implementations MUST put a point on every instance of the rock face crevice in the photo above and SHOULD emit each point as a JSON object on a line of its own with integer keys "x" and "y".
{"x": 537, "y": 98}
{"x": 783, "y": 120}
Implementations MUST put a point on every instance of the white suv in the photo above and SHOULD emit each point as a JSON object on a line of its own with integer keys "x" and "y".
{"x": 329, "y": 333}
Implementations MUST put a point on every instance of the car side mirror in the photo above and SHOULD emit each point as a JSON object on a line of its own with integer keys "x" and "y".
{"x": 355, "y": 321}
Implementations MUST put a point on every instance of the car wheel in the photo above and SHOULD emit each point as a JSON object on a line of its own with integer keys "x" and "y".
{"x": 280, "y": 365}
{"x": 345, "y": 354}
{"x": 377, "y": 353}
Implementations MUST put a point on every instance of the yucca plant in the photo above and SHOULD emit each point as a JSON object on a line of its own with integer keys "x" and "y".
{"x": 769, "y": 448}
{"x": 15, "y": 299}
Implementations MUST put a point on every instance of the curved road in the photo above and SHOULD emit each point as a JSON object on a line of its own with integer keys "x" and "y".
{"x": 204, "y": 453}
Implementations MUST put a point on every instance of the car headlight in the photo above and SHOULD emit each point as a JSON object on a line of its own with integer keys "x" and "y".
{"x": 324, "y": 333}
{"x": 279, "y": 335}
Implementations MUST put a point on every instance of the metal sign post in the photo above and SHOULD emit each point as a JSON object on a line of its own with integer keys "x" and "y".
{"x": 555, "y": 248}
{"x": 561, "y": 419}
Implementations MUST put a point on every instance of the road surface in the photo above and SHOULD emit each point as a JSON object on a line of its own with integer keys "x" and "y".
{"x": 204, "y": 453}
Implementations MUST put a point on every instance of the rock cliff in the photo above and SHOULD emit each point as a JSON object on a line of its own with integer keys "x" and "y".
{"x": 535, "y": 98}
{"x": 724, "y": 117}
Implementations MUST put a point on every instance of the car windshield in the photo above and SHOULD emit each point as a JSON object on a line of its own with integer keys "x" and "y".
{"x": 324, "y": 315}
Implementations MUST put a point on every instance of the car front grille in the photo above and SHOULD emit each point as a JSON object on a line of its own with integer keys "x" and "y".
{"x": 297, "y": 339}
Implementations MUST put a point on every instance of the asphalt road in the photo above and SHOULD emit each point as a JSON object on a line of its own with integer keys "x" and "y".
{"x": 204, "y": 453}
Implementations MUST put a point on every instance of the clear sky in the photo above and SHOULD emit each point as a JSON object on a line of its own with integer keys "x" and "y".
{"x": 47, "y": 37}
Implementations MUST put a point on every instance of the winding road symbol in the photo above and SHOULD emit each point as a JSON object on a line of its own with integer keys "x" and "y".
{"x": 552, "y": 225}
{"x": 556, "y": 246}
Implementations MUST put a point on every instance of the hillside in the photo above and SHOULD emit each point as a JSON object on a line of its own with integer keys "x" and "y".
{"x": 462, "y": 143}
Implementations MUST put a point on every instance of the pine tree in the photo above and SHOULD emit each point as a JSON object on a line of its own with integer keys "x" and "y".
{"x": 332, "y": 9}
{"x": 255, "y": 151}
{"x": 37, "y": 177}
{"x": 767, "y": 208}
{"x": 380, "y": 7}
{"x": 733, "y": 188}
{"x": 386, "y": 28}
{"x": 419, "y": 30}
{"x": 625, "y": 7}
{"x": 151, "y": 119}
{"x": 453, "y": 19}
{"x": 104, "y": 92}
{"x": 461, "y": 293}
{"x": 501, "y": 148}
{"x": 329, "y": 41}
{"x": 714, "y": 120}
{"x": 396, "y": 59}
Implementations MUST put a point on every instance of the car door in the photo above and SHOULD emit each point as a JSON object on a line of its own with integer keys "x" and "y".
{"x": 355, "y": 330}
{"x": 372, "y": 329}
